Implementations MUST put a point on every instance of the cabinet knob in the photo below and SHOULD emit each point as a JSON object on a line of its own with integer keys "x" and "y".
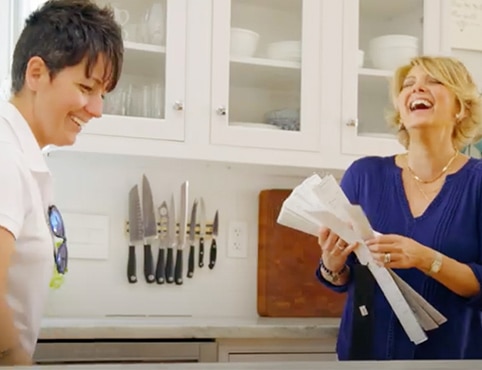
{"x": 352, "y": 122}
{"x": 221, "y": 111}
{"x": 178, "y": 105}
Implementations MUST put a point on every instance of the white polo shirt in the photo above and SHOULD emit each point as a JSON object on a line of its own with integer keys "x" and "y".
{"x": 25, "y": 194}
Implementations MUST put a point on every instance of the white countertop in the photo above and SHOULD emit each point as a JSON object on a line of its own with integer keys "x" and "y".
{"x": 187, "y": 327}
{"x": 365, "y": 365}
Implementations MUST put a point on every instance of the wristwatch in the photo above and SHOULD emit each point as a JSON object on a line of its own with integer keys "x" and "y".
{"x": 436, "y": 264}
{"x": 331, "y": 276}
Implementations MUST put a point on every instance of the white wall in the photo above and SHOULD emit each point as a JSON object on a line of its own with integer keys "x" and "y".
{"x": 99, "y": 185}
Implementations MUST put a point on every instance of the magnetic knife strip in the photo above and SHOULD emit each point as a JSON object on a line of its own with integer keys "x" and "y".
{"x": 208, "y": 231}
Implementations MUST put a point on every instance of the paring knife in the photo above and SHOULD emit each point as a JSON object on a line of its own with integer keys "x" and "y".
{"x": 150, "y": 229}
{"x": 202, "y": 231}
{"x": 136, "y": 233}
{"x": 172, "y": 240}
{"x": 163, "y": 243}
{"x": 183, "y": 213}
{"x": 192, "y": 237}
{"x": 213, "y": 249}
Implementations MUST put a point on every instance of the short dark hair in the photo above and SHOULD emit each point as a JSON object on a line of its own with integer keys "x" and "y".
{"x": 63, "y": 33}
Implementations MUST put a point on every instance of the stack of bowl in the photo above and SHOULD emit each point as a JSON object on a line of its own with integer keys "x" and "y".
{"x": 244, "y": 42}
{"x": 391, "y": 51}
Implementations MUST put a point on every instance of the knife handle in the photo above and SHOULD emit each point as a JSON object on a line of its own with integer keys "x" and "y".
{"x": 178, "y": 269}
{"x": 212, "y": 254}
{"x": 131, "y": 265}
{"x": 201, "y": 252}
{"x": 190, "y": 264}
{"x": 160, "y": 267}
{"x": 170, "y": 266}
{"x": 148, "y": 264}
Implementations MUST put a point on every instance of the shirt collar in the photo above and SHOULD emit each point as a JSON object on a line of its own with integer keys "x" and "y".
{"x": 23, "y": 132}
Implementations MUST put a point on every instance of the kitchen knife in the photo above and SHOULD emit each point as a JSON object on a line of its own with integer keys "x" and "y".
{"x": 150, "y": 229}
{"x": 202, "y": 231}
{"x": 213, "y": 249}
{"x": 163, "y": 243}
{"x": 183, "y": 213}
{"x": 172, "y": 240}
{"x": 192, "y": 237}
{"x": 136, "y": 233}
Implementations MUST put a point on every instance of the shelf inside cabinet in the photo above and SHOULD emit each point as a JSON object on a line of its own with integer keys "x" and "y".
{"x": 265, "y": 73}
{"x": 144, "y": 59}
{"x": 376, "y": 83}
{"x": 375, "y": 72}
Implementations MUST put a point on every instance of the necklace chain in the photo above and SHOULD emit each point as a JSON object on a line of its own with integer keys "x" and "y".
{"x": 423, "y": 192}
{"x": 445, "y": 169}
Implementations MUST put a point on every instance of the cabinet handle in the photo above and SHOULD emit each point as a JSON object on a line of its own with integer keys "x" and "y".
{"x": 178, "y": 105}
{"x": 352, "y": 122}
{"x": 221, "y": 111}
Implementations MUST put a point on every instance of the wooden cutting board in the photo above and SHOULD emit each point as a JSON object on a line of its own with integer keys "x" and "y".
{"x": 287, "y": 261}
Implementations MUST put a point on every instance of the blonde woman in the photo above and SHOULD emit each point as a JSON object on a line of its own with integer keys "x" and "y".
{"x": 427, "y": 204}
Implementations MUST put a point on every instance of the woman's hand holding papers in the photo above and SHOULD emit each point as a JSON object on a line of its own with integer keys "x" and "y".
{"x": 396, "y": 251}
{"x": 334, "y": 253}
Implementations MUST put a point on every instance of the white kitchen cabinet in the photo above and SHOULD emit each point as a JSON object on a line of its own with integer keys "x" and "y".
{"x": 149, "y": 99}
{"x": 277, "y": 350}
{"x": 365, "y": 89}
{"x": 213, "y": 102}
{"x": 277, "y": 76}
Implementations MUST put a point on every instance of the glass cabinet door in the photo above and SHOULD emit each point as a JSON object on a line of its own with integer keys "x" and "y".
{"x": 264, "y": 60}
{"x": 148, "y": 100}
{"x": 380, "y": 36}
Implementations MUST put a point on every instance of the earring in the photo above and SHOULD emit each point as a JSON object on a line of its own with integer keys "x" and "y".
{"x": 458, "y": 117}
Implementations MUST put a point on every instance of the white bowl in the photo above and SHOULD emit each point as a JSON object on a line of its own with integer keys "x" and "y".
{"x": 244, "y": 42}
{"x": 361, "y": 58}
{"x": 391, "y": 51}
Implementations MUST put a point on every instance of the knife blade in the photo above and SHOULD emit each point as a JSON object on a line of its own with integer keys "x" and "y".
{"x": 136, "y": 234}
{"x": 183, "y": 214}
{"x": 192, "y": 237}
{"x": 150, "y": 229}
{"x": 172, "y": 240}
{"x": 213, "y": 249}
{"x": 202, "y": 231}
{"x": 163, "y": 243}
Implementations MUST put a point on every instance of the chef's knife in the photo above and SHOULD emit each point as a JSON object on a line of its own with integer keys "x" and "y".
{"x": 183, "y": 214}
{"x": 163, "y": 243}
{"x": 150, "y": 229}
{"x": 172, "y": 240}
{"x": 202, "y": 231}
{"x": 136, "y": 233}
{"x": 192, "y": 236}
{"x": 213, "y": 249}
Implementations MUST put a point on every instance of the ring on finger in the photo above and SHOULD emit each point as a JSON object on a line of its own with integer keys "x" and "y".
{"x": 340, "y": 244}
{"x": 387, "y": 258}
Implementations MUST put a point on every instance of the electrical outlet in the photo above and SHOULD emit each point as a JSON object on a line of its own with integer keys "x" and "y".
{"x": 238, "y": 239}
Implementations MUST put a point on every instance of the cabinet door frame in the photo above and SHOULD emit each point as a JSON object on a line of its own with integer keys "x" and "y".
{"x": 308, "y": 138}
{"x": 172, "y": 127}
{"x": 434, "y": 42}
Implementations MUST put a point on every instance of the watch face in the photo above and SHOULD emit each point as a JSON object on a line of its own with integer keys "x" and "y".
{"x": 436, "y": 265}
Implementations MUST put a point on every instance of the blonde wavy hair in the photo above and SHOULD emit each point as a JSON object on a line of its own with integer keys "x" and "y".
{"x": 454, "y": 75}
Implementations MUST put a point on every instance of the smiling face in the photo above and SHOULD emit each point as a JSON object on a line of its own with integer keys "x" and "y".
{"x": 425, "y": 101}
{"x": 62, "y": 104}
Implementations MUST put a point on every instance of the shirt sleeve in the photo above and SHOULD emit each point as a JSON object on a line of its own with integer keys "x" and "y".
{"x": 349, "y": 185}
{"x": 12, "y": 202}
